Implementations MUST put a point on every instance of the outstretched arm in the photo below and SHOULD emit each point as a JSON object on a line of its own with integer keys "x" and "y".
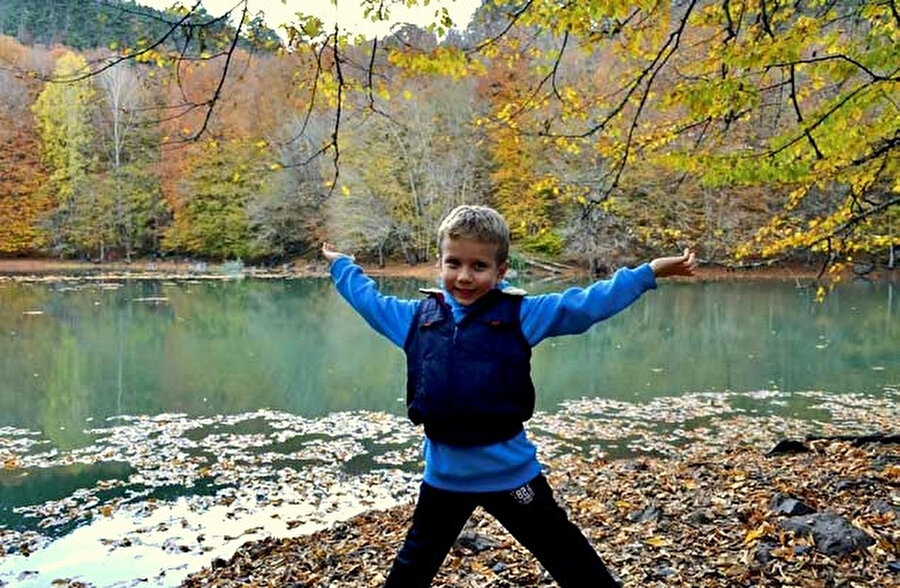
{"x": 576, "y": 309}
{"x": 680, "y": 265}
{"x": 388, "y": 315}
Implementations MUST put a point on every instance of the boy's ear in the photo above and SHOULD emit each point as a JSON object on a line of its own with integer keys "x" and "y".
{"x": 501, "y": 270}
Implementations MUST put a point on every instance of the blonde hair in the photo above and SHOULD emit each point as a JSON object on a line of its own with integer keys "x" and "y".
{"x": 479, "y": 223}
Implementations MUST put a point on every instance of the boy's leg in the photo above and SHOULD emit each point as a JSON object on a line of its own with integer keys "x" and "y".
{"x": 534, "y": 518}
{"x": 437, "y": 520}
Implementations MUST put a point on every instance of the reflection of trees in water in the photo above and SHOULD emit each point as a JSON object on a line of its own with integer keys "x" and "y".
{"x": 227, "y": 347}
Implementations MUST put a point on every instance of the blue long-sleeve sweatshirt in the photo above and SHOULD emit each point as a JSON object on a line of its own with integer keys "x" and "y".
{"x": 511, "y": 463}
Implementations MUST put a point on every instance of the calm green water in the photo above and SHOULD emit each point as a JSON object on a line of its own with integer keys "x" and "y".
{"x": 70, "y": 354}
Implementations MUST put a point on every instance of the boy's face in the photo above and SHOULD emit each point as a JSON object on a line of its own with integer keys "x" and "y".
{"x": 469, "y": 269}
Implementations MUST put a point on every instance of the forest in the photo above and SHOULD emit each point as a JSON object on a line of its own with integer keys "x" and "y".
{"x": 754, "y": 131}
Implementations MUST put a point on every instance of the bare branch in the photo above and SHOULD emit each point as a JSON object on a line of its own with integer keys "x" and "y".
{"x": 827, "y": 261}
{"x": 337, "y": 114}
{"x": 549, "y": 77}
{"x": 652, "y": 69}
{"x": 181, "y": 24}
{"x": 309, "y": 108}
{"x": 113, "y": 62}
{"x": 882, "y": 149}
{"x": 556, "y": 65}
{"x": 512, "y": 21}
{"x": 841, "y": 57}
{"x": 821, "y": 119}
{"x": 765, "y": 19}
{"x": 800, "y": 116}
{"x": 369, "y": 73}
{"x": 674, "y": 38}
{"x": 211, "y": 103}
{"x": 729, "y": 26}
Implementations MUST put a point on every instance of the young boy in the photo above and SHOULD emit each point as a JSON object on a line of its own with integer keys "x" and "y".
{"x": 468, "y": 349}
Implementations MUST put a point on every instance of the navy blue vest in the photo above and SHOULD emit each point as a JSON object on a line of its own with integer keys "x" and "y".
{"x": 469, "y": 384}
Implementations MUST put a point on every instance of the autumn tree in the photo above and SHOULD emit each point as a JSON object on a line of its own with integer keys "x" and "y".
{"x": 22, "y": 203}
{"x": 62, "y": 111}
{"x": 131, "y": 151}
{"x": 212, "y": 219}
{"x": 373, "y": 204}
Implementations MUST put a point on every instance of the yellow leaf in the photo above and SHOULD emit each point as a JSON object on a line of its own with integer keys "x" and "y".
{"x": 820, "y": 294}
{"x": 656, "y": 541}
{"x": 345, "y": 190}
{"x": 755, "y": 534}
{"x": 407, "y": 95}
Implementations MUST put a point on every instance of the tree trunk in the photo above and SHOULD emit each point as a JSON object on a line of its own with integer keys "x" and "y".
{"x": 891, "y": 259}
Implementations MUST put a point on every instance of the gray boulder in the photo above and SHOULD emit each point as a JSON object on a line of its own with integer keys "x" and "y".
{"x": 832, "y": 534}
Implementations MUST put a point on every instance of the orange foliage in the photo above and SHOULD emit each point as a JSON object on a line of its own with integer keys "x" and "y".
{"x": 21, "y": 174}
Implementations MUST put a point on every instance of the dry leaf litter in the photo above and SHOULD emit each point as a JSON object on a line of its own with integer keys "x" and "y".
{"x": 674, "y": 492}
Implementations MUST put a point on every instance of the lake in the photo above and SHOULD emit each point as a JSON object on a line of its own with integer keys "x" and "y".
{"x": 147, "y": 427}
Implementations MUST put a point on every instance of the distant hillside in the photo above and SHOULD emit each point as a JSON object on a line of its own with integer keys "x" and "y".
{"x": 84, "y": 24}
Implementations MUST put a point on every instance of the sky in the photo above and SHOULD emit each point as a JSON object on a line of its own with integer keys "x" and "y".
{"x": 348, "y": 12}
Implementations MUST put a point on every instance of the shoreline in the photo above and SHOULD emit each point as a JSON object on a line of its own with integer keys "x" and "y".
{"x": 28, "y": 270}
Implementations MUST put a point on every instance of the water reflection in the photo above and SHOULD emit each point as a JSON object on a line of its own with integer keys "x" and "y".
{"x": 72, "y": 354}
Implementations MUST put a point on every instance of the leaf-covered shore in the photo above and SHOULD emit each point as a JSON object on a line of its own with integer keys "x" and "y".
{"x": 707, "y": 516}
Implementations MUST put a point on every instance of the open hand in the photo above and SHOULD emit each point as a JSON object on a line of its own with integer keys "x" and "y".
{"x": 681, "y": 265}
{"x": 331, "y": 254}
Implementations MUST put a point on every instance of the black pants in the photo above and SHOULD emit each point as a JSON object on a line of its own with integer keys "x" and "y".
{"x": 529, "y": 513}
